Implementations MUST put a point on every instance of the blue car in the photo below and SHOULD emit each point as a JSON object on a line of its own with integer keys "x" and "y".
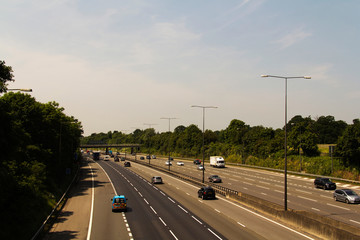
{"x": 119, "y": 203}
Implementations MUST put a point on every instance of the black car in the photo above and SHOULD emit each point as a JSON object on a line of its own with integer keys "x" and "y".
{"x": 197, "y": 162}
{"x": 148, "y": 157}
{"x": 215, "y": 179}
{"x": 171, "y": 159}
{"x": 116, "y": 159}
{"x": 324, "y": 183}
{"x": 127, "y": 164}
{"x": 206, "y": 193}
{"x": 142, "y": 158}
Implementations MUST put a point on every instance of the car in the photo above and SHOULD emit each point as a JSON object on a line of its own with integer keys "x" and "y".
{"x": 197, "y": 162}
{"x": 206, "y": 192}
{"x": 106, "y": 157}
{"x": 119, "y": 203}
{"x": 215, "y": 179}
{"x": 153, "y": 157}
{"x": 156, "y": 179}
{"x": 324, "y": 183}
{"x": 116, "y": 159}
{"x": 167, "y": 163}
{"x": 171, "y": 159}
{"x": 142, "y": 158}
{"x": 122, "y": 158}
{"x": 346, "y": 195}
{"x": 148, "y": 157}
{"x": 127, "y": 164}
{"x": 200, "y": 167}
{"x": 180, "y": 163}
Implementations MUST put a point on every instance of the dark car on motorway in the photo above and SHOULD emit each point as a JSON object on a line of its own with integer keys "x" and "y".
{"x": 156, "y": 179}
{"x": 142, "y": 158}
{"x": 215, "y": 179}
{"x": 346, "y": 195}
{"x": 197, "y": 162}
{"x": 127, "y": 164}
{"x": 122, "y": 158}
{"x": 206, "y": 193}
{"x": 324, "y": 183}
{"x": 148, "y": 157}
{"x": 116, "y": 159}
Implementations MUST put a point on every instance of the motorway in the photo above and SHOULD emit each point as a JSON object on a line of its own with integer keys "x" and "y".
{"x": 302, "y": 195}
{"x": 164, "y": 211}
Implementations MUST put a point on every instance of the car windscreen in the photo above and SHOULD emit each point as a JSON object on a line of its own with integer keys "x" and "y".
{"x": 350, "y": 192}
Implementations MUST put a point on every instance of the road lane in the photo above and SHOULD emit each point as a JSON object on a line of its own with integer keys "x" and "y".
{"x": 302, "y": 195}
{"x": 152, "y": 214}
{"x": 219, "y": 211}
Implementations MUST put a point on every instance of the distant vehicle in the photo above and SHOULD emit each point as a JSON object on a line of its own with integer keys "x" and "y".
{"x": 119, "y": 203}
{"x": 197, "y": 162}
{"x": 215, "y": 179}
{"x": 96, "y": 155}
{"x": 106, "y": 157}
{"x": 180, "y": 163}
{"x": 153, "y": 156}
{"x": 127, "y": 164}
{"x": 156, "y": 179}
{"x": 122, "y": 158}
{"x": 217, "y": 161}
{"x": 206, "y": 193}
{"x": 346, "y": 195}
{"x": 147, "y": 156}
{"x": 142, "y": 158}
{"x": 167, "y": 163}
{"x": 200, "y": 167}
{"x": 116, "y": 159}
{"x": 324, "y": 183}
{"x": 171, "y": 159}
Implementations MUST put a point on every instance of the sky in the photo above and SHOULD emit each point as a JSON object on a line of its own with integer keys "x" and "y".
{"x": 123, "y": 65}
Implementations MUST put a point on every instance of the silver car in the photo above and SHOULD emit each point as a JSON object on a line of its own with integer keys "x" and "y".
{"x": 346, "y": 195}
{"x": 156, "y": 179}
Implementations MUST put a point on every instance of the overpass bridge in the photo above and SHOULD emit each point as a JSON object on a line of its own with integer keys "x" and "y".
{"x": 107, "y": 146}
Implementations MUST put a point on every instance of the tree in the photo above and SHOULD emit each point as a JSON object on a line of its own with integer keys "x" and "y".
{"x": 328, "y": 130}
{"x": 235, "y": 131}
{"x": 302, "y": 135}
{"x": 5, "y": 76}
{"x": 348, "y": 145}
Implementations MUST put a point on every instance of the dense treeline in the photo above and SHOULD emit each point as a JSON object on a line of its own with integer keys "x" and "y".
{"x": 242, "y": 143}
{"x": 38, "y": 143}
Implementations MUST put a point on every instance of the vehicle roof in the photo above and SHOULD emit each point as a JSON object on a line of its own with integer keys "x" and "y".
{"x": 119, "y": 196}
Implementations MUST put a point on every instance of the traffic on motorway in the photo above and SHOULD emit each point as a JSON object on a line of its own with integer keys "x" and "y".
{"x": 206, "y": 194}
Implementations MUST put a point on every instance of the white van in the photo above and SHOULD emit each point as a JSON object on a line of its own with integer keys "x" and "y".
{"x": 217, "y": 161}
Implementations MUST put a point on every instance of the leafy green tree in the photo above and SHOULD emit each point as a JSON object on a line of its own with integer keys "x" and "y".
{"x": 5, "y": 76}
{"x": 348, "y": 145}
{"x": 235, "y": 132}
{"x": 301, "y": 135}
{"x": 328, "y": 130}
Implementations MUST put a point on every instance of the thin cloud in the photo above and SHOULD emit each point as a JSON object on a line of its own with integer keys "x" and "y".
{"x": 292, "y": 38}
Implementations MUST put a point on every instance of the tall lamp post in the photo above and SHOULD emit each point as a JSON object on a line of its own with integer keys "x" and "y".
{"x": 203, "y": 143}
{"x": 168, "y": 118}
{"x": 285, "y": 144}
{"x": 20, "y": 89}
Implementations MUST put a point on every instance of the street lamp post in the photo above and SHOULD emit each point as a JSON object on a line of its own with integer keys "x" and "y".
{"x": 20, "y": 89}
{"x": 285, "y": 142}
{"x": 168, "y": 118}
{"x": 203, "y": 144}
